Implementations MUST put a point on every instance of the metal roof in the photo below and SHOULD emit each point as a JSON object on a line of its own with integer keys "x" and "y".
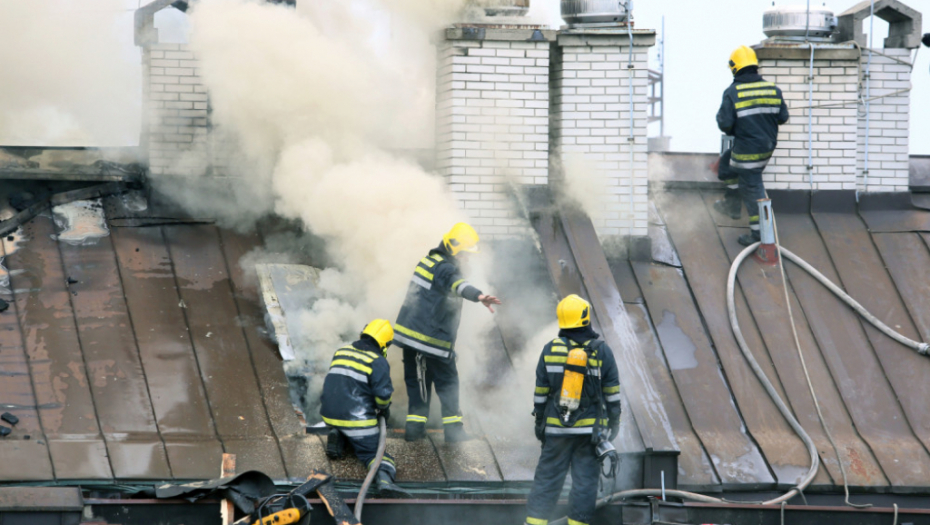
{"x": 142, "y": 355}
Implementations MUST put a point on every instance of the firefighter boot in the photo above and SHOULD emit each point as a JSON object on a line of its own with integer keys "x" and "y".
{"x": 335, "y": 444}
{"x": 455, "y": 433}
{"x": 414, "y": 431}
{"x": 730, "y": 205}
{"x": 386, "y": 488}
{"x": 750, "y": 238}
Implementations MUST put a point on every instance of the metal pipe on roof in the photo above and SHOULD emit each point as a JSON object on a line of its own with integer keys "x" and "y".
{"x": 868, "y": 96}
{"x": 631, "y": 141}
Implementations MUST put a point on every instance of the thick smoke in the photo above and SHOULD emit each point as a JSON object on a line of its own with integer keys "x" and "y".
{"x": 70, "y": 74}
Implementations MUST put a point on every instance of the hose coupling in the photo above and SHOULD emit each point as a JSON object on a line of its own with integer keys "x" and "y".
{"x": 924, "y": 349}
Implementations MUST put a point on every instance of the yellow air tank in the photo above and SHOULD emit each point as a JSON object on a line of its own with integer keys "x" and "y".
{"x": 572, "y": 382}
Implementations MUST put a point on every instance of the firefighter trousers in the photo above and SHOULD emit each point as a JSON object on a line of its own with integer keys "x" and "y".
{"x": 439, "y": 373}
{"x": 559, "y": 453}
{"x": 366, "y": 448}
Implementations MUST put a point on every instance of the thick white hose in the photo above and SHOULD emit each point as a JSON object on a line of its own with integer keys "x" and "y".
{"x": 921, "y": 348}
{"x": 779, "y": 403}
{"x": 382, "y": 445}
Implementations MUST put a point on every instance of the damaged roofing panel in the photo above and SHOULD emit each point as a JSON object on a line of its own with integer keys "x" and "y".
{"x": 108, "y": 344}
{"x": 59, "y": 373}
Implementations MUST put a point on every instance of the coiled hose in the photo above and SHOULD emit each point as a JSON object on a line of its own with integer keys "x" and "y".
{"x": 920, "y": 347}
{"x": 373, "y": 470}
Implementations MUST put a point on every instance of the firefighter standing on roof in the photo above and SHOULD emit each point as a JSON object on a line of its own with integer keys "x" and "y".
{"x": 577, "y": 405}
{"x": 426, "y": 329}
{"x": 751, "y": 111}
{"x": 357, "y": 390}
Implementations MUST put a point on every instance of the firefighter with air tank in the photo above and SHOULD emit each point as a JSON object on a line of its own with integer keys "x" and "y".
{"x": 577, "y": 409}
{"x": 426, "y": 329}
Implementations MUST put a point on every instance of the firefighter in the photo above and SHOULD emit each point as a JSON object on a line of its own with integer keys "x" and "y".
{"x": 570, "y": 435}
{"x": 751, "y": 111}
{"x": 426, "y": 329}
{"x": 357, "y": 390}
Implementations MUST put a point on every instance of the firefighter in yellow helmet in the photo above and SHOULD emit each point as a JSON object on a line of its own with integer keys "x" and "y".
{"x": 751, "y": 111}
{"x": 357, "y": 390}
{"x": 577, "y": 409}
{"x": 426, "y": 329}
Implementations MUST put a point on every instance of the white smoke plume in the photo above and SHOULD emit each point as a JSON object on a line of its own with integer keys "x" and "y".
{"x": 70, "y": 74}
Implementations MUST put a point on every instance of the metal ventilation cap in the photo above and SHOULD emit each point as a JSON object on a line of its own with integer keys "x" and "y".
{"x": 792, "y": 22}
{"x": 595, "y": 12}
{"x": 506, "y": 7}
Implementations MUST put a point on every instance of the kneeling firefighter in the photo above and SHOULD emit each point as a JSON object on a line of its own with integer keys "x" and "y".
{"x": 577, "y": 409}
{"x": 356, "y": 392}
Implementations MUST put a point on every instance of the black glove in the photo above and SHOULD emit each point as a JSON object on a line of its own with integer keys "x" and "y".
{"x": 613, "y": 424}
{"x": 541, "y": 427}
{"x": 385, "y": 413}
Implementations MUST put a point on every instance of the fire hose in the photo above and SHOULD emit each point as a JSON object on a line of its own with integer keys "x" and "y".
{"x": 921, "y": 347}
{"x": 373, "y": 470}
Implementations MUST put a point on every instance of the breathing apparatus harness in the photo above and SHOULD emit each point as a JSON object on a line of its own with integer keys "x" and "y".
{"x": 575, "y": 371}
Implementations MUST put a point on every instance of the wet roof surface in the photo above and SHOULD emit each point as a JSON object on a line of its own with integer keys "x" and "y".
{"x": 142, "y": 355}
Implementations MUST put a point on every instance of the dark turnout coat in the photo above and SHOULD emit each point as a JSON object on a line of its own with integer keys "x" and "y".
{"x": 429, "y": 319}
{"x": 751, "y": 111}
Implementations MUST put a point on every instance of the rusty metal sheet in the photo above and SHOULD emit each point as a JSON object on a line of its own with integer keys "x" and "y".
{"x": 56, "y": 362}
{"x": 262, "y": 454}
{"x": 706, "y": 265}
{"x": 852, "y": 361}
{"x": 694, "y": 367}
{"x": 167, "y": 355}
{"x": 466, "y": 461}
{"x": 907, "y": 258}
{"x": 558, "y": 255}
{"x": 268, "y": 365}
{"x": 695, "y": 470}
{"x": 893, "y": 212}
{"x": 222, "y": 353}
{"x": 116, "y": 378}
{"x": 865, "y": 277}
{"x": 762, "y": 286}
{"x": 23, "y": 459}
{"x": 639, "y": 390}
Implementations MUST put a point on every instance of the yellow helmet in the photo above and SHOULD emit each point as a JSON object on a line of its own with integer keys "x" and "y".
{"x": 380, "y": 330}
{"x": 743, "y": 56}
{"x": 461, "y": 238}
{"x": 573, "y": 312}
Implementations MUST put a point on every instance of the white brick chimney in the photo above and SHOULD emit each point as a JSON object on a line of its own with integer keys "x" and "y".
{"x": 493, "y": 119}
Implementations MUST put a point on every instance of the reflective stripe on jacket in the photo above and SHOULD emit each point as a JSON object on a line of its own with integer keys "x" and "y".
{"x": 357, "y": 384}
{"x": 751, "y": 111}
{"x": 601, "y": 374}
{"x": 429, "y": 319}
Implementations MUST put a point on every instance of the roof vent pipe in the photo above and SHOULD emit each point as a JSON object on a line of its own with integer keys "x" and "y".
{"x": 799, "y": 23}
{"x": 594, "y": 13}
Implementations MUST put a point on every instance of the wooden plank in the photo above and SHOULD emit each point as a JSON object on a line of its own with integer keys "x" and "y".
{"x": 116, "y": 380}
{"x": 706, "y": 264}
{"x": 56, "y": 362}
{"x": 693, "y": 364}
{"x": 225, "y": 365}
{"x": 864, "y": 276}
{"x": 227, "y": 470}
{"x": 855, "y": 369}
{"x": 178, "y": 396}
